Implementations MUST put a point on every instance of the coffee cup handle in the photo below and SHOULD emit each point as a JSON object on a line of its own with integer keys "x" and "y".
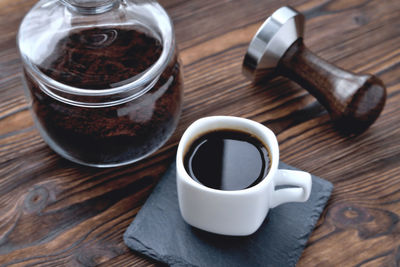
{"x": 300, "y": 193}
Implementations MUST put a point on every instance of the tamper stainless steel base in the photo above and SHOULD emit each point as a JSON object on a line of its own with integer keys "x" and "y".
{"x": 354, "y": 101}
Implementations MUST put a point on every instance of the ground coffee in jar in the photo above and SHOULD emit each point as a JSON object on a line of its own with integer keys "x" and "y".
{"x": 106, "y": 95}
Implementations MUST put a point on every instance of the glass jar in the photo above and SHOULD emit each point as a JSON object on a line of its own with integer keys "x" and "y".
{"x": 103, "y": 78}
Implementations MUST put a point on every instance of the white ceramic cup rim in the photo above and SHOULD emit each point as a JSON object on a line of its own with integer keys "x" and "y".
{"x": 209, "y": 124}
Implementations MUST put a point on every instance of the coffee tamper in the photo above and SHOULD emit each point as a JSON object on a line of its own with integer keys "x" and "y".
{"x": 354, "y": 101}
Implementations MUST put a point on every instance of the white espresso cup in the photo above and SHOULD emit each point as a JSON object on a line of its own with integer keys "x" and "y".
{"x": 236, "y": 212}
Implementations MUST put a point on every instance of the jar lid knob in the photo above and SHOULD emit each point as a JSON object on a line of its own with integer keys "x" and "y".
{"x": 90, "y": 7}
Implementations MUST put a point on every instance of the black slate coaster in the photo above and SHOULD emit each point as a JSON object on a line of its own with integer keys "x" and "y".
{"x": 158, "y": 231}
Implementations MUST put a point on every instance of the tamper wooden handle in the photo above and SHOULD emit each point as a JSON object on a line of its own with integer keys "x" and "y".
{"x": 354, "y": 101}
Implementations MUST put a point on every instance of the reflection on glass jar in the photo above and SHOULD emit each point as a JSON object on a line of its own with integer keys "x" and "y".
{"x": 103, "y": 94}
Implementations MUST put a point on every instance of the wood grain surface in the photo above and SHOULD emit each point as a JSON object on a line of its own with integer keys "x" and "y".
{"x": 56, "y": 213}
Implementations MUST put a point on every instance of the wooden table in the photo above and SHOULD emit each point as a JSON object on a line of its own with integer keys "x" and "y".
{"x": 53, "y": 212}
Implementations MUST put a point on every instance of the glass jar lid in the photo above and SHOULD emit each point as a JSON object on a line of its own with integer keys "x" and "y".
{"x": 98, "y": 48}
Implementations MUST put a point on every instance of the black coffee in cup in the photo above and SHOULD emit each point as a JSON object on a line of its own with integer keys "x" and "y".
{"x": 227, "y": 160}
